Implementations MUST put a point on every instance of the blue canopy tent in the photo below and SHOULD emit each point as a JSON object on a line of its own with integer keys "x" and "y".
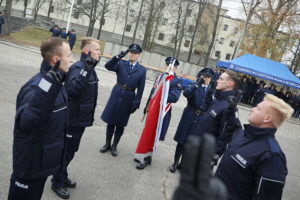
{"x": 262, "y": 68}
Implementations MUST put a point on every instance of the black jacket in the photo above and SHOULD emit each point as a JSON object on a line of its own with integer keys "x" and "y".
{"x": 40, "y": 127}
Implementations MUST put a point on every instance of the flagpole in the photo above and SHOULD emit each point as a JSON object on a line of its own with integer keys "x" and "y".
{"x": 70, "y": 14}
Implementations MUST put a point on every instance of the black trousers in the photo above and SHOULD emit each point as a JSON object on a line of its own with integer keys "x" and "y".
{"x": 21, "y": 189}
{"x": 74, "y": 135}
{"x": 114, "y": 130}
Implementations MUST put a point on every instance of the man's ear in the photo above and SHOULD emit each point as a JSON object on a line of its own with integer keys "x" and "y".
{"x": 268, "y": 119}
{"x": 85, "y": 50}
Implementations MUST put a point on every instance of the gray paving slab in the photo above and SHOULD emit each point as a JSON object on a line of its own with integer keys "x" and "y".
{"x": 101, "y": 176}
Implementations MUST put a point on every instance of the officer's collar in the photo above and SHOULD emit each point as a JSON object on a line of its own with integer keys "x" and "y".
{"x": 221, "y": 95}
{"x": 256, "y": 131}
{"x": 45, "y": 67}
{"x": 83, "y": 56}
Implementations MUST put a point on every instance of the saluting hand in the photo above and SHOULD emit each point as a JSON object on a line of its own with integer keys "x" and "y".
{"x": 90, "y": 62}
{"x": 122, "y": 54}
{"x": 56, "y": 75}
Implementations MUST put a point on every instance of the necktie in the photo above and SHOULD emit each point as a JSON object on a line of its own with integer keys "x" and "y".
{"x": 205, "y": 89}
{"x": 131, "y": 66}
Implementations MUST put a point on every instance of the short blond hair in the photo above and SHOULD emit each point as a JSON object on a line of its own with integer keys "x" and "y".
{"x": 282, "y": 109}
{"x": 87, "y": 40}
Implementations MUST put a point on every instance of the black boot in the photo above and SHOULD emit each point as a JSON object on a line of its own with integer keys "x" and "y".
{"x": 143, "y": 165}
{"x": 178, "y": 153}
{"x": 62, "y": 192}
{"x": 173, "y": 167}
{"x": 114, "y": 151}
{"x": 107, "y": 145}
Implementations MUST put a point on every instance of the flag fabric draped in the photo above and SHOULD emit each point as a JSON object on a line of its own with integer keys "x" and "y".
{"x": 158, "y": 107}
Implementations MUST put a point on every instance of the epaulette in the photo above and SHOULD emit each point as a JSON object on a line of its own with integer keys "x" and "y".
{"x": 274, "y": 146}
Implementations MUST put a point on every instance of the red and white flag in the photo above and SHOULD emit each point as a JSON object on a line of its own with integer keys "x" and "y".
{"x": 158, "y": 107}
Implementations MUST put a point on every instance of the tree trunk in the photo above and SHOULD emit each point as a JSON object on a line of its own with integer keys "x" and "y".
{"x": 249, "y": 16}
{"x": 148, "y": 28}
{"x": 214, "y": 34}
{"x": 177, "y": 28}
{"x": 182, "y": 31}
{"x": 7, "y": 16}
{"x": 49, "y": 9}
{"x": 101, "y": 25}
{"x": 1, "y": 1}
{"x": 126, "y": 19}
{"x": 201, "y": 7}
{"x": 137, "y": 21}
{"x": 25, "y": 7}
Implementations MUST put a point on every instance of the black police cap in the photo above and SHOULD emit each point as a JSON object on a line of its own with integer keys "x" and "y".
{"x": 170, "y": 60}
{"x": 135, "y": 48}
{"x": 206, "y": 72}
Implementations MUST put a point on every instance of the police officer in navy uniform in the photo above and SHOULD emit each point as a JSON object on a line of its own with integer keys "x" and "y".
{"x": 40, "y": 124}
{"x": 55, "y": 31}
{"x": 254, "y": 166}
{"x": 215, "y": 118}
{"x": 193, "y": 112}
{"x": 173, "y": 96}
{"x": 126, "y": 95}
{"x": 82, "y": 88}
{"x": 72, "y": 38}
{"x": 63, "y": 34}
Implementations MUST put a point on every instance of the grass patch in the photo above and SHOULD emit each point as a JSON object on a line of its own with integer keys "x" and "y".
{"x": 33, "y": 35}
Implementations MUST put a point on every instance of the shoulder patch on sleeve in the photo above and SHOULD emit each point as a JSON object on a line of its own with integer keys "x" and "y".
{"x": 274, "y": 146}
{"x": 44, "y": 85}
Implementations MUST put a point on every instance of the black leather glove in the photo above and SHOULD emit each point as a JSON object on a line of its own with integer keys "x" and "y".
{"x": 234, "y": 100}
{"x": 212, "y": 87}
{"x": 132, "y": 109}
{"x": 122, "y": 54}
{"x": 55, "y": 74}
{"x": 195, "y": 181}
{"x": 89, "y": 62}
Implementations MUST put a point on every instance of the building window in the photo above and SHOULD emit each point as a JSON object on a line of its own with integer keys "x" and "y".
{"x": 236, "y": 30}
{"x": 228, "y": 56}
{"x": 164, "y": 21}
{"x": 131, "y": 13}
{"x": 222, "y": 40}
{"x": 173, "y": 40}
{"x": 218, "y": 54}
{"x": 188, "y": 12}
{"x": 187, "y": 43}
{"x": 76, "y": 15}
{"x": 128, "y": 28}
{"x": 231, "y": 43}
{"x": 161, "y": 36}
{"x": 51, "y": 9}
{"x": 225, "y": 27}
{"x": 162, "y": 5}
{"x": 191, "y": 28}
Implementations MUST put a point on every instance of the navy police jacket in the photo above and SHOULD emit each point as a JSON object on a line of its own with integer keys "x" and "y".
{"x": 214, "y": 120}
{"x": 192, "y": 113}
{"x": 72, "y": 39}
{"x": 55, "y": 32}
{"x": 123, "y": 95}
{"x": 82, "y": 88}
{"x": 254, "y": 166}
{"x": 40, "y": 127}
{"x": 63, "y": 35}
{"x": 173, "y": 97}
{"x": 2, "y": 20}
